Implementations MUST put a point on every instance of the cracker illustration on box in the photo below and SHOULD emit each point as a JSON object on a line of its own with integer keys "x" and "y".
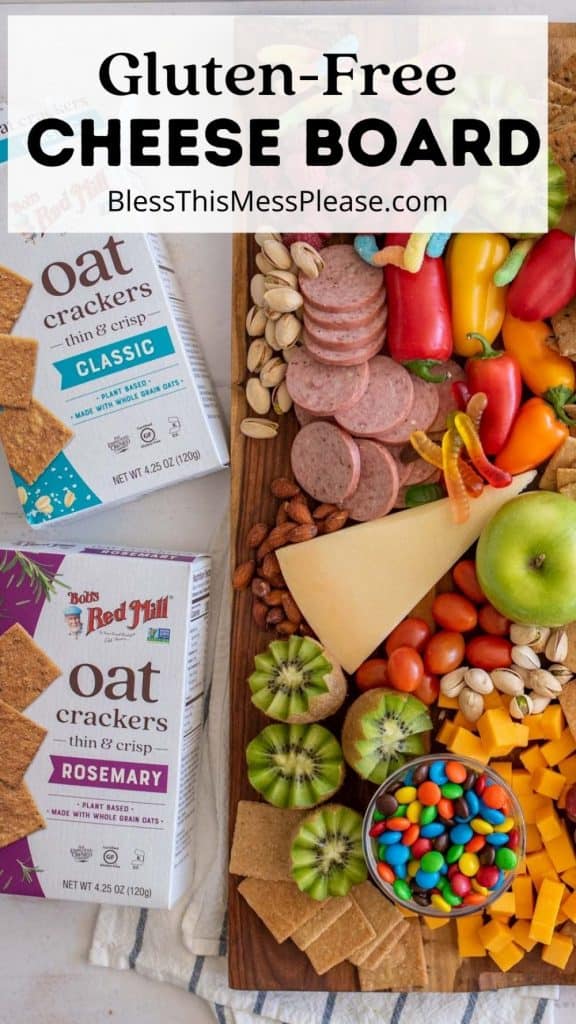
{"x": 13, "y": 294}
{"x": 32, "y": 438}
{"x": 20, "y": 740}
{"x": 25, "y": 670}
{"x": 17, "y": 370}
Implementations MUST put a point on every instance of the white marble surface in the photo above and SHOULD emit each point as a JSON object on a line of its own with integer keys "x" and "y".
{"x": 44, "y": 976}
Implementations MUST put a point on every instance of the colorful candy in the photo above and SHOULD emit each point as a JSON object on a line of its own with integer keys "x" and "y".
{"x": 445, "y": 836}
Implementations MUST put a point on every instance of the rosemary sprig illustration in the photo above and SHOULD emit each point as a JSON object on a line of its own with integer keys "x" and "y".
{"x": 43, "y": 581}
{"x": 27, "y": 871}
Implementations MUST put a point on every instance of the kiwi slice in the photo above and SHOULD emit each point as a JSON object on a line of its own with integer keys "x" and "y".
{"x": 383, "y": 729}
{"x": 326, "y": 854}
{"x": 295, "y": 765}
{"x": 295, "y": 680}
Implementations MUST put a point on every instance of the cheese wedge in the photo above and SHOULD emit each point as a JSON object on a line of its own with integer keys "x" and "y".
{"x": 355, "y": 586}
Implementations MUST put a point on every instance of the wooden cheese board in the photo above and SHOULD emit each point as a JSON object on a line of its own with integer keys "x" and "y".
{"x": 256, "y": 961}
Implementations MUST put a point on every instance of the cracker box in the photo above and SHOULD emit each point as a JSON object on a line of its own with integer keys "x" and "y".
{"x": 102, "y": 657}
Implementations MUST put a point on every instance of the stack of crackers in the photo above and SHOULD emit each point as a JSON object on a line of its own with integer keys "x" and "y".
{"x": 25, "y": 672}
{"x": 560, "y": 472}
{"x": 562, "y": 116}
{"x": 31, "y": 435}
{"x": 363, "y": 928}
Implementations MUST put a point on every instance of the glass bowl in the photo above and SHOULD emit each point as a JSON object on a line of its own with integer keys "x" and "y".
{"x": 371, "y": 845}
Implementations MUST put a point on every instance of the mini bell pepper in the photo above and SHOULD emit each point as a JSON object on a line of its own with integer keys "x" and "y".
{"x": 547, "y": 281}
{"x": 497, "y": 374}
{"x": 418, "y": 324}
{"x": 543, "y": 369}
{"x": 478, "y": 305}
{"x": 536, "y": 434}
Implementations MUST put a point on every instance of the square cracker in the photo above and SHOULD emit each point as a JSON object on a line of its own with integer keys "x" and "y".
{"x": 345, "y": 936}
{"x": 20, "y": 740}
{"x": 17, "y": 370}
{"x": 564, "y": 458}
{"x": 563, "y": 145}
{"x": 25, "y": 670}
{"x": 326, "y": 914}
{"x": 404, "y": 968}
{"x": 32, "y": 438}
{"x": 564, "y": 327}
{"x": 372, "y": 955}
{"x": 13, "y": 294}
{"x": 262, "y": 841}
{"x": 280, "y": 905}
{"x": 384, "y": 917}
{"x": 19, "y": 815}
{"x": 567, "y": 699}
{"x": 565, "y": 476}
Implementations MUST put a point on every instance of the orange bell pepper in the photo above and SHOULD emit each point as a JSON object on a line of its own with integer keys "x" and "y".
{"x": 543, "y": 370}
{"x": 536, "y": 434}
{"x": 478, "y": 305}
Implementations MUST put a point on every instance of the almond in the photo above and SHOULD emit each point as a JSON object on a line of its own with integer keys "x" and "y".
{"x": 256, "y": 534}
{"x": 273, "y": 617}
{"x": 286, "y": 628}
{"x": 306, "y": 531}
{"x": 282, "y": 514}
{"x": 260, "y": 588}
{"x": 298, "y": 510}
{"x": 243, "y": 574}
{"x": 335, "y": 521}
{"x": 270, "y": 570}
{"x": 259, "y": 613}
{"x": 274, "y": 598}
{"x": 277, "y": 537}
{"x": 324, "y": 510}
{"x": 291, "y": 609}
{"x": 281, "y": 487}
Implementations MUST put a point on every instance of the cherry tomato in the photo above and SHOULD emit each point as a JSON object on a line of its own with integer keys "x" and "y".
{"x": 452, "y": 611}
{"x": 444, "y": 651}
{"x": 427, "y": 691}
{"x": 412, "y": 632}
{"x": 491, "y": 621}
{"x": 372, "y": 674}
{"x": 489, "y": 652}
{"x": 465, "y": 578}
{"x": 405, "y": 669}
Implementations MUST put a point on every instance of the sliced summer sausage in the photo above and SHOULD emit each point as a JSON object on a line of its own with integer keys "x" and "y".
{"x": 342, "y": 356}
{"x": 447, "y": 402}
{"x": 349, "y": 338}
{"x": 420, "y": 472}
{"x": 357, "y": 318}
{"x": 345, "y": 284}
{"x": 379, "y": 485}
{"x": 326, "y": 462}
{"x": 324, "y": 390}
{"x": 386, "y": 401}
{"x": 421, "y": 414}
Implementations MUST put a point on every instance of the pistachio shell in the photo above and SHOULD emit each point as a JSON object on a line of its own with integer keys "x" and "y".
{"x": 273, "y": 372}
{"x": 288, "y": 329}
{"x": 453, "y": 682}
{"x": 281, "y": 300}
{"x": 258, "y": 355}
{"x": 507, "y": 681}
{"x": 265, "y": 266}
{"x": 522, "y": 634}
{"x": 561, "y": 672}
{"x": 557, "y": 646}
{"x": 265, "y": 236}
{"x": 471, "y": 704}
{"x": 281, "y": 400}
{"x": 520, "y": 706}
{"x": 258, "y": 428}
{"x": 544, "y": 683}
{"x": 525, "y": 656}
{"x": 478, "y": 680}
{"x": 277, "y": 253}
{"x": 257, "y": 396}
{"x": 255, "y": 322}
{"x": 307, "y": 258}
{"x": 270, "y": 334}
{"x": 281, "y": 279}
{"x": 257, "y": 289}
{"x": 539, "y": 704}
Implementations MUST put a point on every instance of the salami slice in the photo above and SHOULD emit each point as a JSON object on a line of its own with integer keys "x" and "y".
{"x": 303, "y": 416}
{"x": 345, "y": 284}
{"x": 326, "y": 462}
{"x": 447, "y": 402}
{"x": 386, "y": 401}
{"x": 341, "y": 339}
{"x": 357, "y": 318}
{"x": 324, "y": 390}
{"x": 419, "y": 417}
{"x": 404, "y": 465}
{"x": 344, "y": 357}
{"x": 420, "y": 472}
{"x": 377, "y": 491}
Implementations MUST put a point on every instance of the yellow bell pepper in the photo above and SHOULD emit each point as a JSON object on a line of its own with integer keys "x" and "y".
{"x": 543, "y": 370}
{"x": 478, "y": 305}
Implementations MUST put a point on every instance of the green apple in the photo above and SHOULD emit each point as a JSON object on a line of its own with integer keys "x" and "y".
{"x": 526, "y": 559}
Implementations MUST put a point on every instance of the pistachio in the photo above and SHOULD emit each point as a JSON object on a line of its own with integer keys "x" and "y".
{"x": 265, "y": 266}
{"x": 277, "y": 253}
{"x": 557, "y": 646}
{"x": 260, "y": 429}
{"x": 478, "y": 680}
{"x": 273, "y": 372}
{"x": 266, "y": 236}
{"x": 255, "y": 322}
{"x": 471, "y": 703}
{"x": 257, "y": 396}
{"x": 521, "y": 705}
{"x": 561, "y": 672}
{"x": 539, "y": 704}
{"x": 530, "y": 635}
{"x": 525, "y": 657}
{"x": 506, "y": 680}
{"x": 307, "y": 258}
{"x": 258, "y": 355}
{"x": 544, "y": 683}
{"x": 281, "y": 279}
{"x": 280, "y": 300}
{"x": 288, "y": 329}
{"x": 453, "y": 682}
{"x": 281, "y": 400}
{"x": 270, "y": 335}
{"x": 257, "y": 289}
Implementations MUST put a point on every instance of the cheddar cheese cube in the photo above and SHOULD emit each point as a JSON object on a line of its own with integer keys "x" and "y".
{"x": 535, "y": 728}
{"x": 467, "y": 744}
{"x": 568, "y": 769}
{"x": 540, "y": 867}
{"x": 569, "y": 878}
{"x": 548, "y": 783}
{"x": 446, "y": 732}
{"x": 493, "y": 700}
{"x": 546, "y": 910}
{"x": 533, "y": 839}
{"x": 553, "y": 722}
{"x": 450, "y": 703}
{"x": 558, "y": 750}
{"x": 461, "y": 722}
{"x": 433, "y": 923}
{"x": 523, "y": 897}
{"x": 561, "y": 851}
{"x": 558, "y": 951}
{"x": 469, "y": 943}
{"x": 569, "y": 907}
{"x": 521, "y": 932}
{"x": 521, "y": 782}
{"x": 532, "y": 759}
{"x": 548, "y": 825}
{"x": 534, "y": 807}
{"x": 504, "y": 769}
{"x": 504, "y": 906}
{"x": 494, "y": 936}
{"x": 507, "y": 957}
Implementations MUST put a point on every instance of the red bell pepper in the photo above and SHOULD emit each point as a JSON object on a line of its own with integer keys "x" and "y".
{"x": 547, "y": 280}
{"x": 419, "y": 322}
{"x": 497, "y": 374}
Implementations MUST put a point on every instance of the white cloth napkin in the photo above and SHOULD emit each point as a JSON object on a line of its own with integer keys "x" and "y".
{"x": 186, "y": 946}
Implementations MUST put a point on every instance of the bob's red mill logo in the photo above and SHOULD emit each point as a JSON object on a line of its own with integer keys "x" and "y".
{"x": 132, "y": 613}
